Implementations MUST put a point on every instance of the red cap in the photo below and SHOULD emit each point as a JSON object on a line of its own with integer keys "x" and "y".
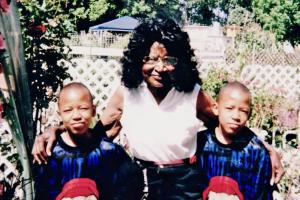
{"x": 79, "y": 187}
{"x": 223, "y": 184}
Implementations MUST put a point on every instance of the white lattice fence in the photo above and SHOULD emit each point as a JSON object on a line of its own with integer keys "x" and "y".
{"x": 276, "y": 80}
{"x": 262, "y": 57}
{"x": 8, "y": 169}
{"x": 103, "y": 77}
{"x": 285, "y": 78}
{"x": 100, "y": 76}
{"x": 279, "y": 77}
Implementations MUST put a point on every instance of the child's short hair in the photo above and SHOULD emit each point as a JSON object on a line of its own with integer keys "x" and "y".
{"x": 77, "y": 85}
{"x": 79, "y": 187}
{"x": 234, "y": 85}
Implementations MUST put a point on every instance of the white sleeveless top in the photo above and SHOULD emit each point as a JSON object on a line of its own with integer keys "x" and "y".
{"x": 160, "y": 132}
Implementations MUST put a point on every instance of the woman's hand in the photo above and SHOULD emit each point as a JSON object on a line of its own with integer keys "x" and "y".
{"x": 277, "y": 168}
{"x": 43, "y": 145}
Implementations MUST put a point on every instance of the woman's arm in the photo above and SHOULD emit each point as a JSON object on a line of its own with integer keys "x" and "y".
{"x": 204, "y": 109}
{"x": 110, "y": 118}
{"x": 277, "y": 168}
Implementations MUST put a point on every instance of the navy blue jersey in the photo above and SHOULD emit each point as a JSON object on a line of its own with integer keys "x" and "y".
{"x": 102, "y": 161}
{"x": 245, "y": 160}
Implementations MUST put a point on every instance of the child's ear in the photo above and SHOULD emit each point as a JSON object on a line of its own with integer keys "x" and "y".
{"x": 94, "y": 110}
{"x": 250, "y": 113}
{"x": 58, "y": 113}
{"x": 215, "y": 109}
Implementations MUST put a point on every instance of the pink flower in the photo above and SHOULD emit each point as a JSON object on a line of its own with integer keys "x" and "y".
{"x": 2, "y": 43}
{"x": 246, "y": 82}
{"x": 4, "y": 5}
{"x": 287, "y": 118}
{"x": 36, "y": 30}
{"x": 222, "y": 77}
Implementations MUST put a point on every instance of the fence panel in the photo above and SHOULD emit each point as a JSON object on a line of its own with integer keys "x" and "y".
{"x": 100, "y": 76}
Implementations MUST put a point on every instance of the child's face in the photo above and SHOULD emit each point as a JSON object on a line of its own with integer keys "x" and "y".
{"x": 76, "y": 110}
{"x": 221, "y": 196}
{"x": 91, "y": 197}
{"x": 233, "y": 110}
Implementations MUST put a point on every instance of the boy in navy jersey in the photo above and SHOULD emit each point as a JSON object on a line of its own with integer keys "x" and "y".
{"x": 232, "y": 150}
{"x": 80, "y": 153}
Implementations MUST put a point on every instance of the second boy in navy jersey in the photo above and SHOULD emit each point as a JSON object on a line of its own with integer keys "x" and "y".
{"x": 230, "y": 150}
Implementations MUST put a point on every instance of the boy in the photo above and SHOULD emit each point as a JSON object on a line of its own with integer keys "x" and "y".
{"x": 80, "y": 153}
{"x": 230, "y": 150}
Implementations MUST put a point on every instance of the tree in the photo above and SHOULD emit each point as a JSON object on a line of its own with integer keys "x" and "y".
{"x": 44, "y": 26}
{"x": 97, "y": 11}
{"x": 280, "y": 17}
{"x": 170, "y": 8}
{"x": 240, "y": 16}
{"x": 201, "y": 12}
{"x": 204, "y": 12}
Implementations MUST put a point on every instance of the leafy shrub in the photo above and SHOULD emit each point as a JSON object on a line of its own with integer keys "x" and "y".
{"x": 214, "y": 81}
{"x": 44, "y": 25}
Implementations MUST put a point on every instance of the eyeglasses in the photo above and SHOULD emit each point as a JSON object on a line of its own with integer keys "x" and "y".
{"x": 167, "y": 60}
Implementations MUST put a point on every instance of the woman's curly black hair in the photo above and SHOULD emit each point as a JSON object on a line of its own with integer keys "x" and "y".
{"x": 177, "y": 43}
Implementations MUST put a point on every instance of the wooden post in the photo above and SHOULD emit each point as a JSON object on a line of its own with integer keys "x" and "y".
{"x": 18, "y": 112}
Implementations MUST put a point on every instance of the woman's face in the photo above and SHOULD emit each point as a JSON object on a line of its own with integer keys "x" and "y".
{"x": 158, "y": 66}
